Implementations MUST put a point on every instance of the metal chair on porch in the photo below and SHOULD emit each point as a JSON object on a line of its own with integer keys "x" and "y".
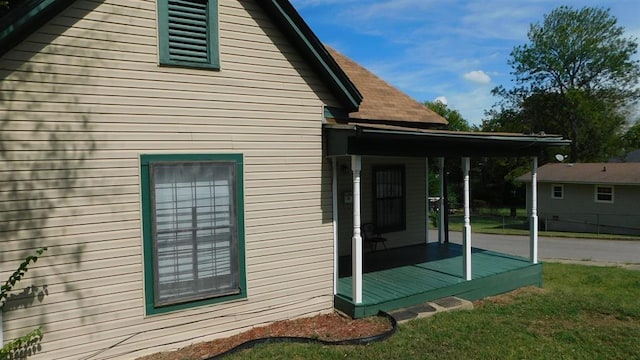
{"x": 372, "y": 237}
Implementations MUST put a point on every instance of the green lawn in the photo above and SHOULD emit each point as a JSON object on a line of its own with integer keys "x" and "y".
{"x": 498, "y": 221}
{"x": 582, "y": 313}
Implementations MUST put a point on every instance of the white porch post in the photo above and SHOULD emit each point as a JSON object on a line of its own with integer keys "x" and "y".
{"x": 426, "y": 227}
{"x": 356, "y": 240}
{"x": 533, "y": 230}
{"x": 334, "y": 202}
{"x": 441, "y": 202}
{"x": 466, "y": 239}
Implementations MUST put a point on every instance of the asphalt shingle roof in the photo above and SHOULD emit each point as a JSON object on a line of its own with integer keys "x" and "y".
{"x": 382, "y": 101}
{"x": 588, "y": 173}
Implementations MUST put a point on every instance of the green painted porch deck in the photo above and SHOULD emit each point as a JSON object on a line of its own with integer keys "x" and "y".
{"x": 403, "y": 277}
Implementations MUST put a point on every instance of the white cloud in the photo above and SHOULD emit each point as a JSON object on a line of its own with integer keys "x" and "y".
{"x": 441, "y": 99}
{"x": 472, "y": 104}
{"x": 477, "y": 76}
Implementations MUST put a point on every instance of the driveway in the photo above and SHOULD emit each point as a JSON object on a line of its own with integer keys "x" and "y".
{"x": 554, "y": 248}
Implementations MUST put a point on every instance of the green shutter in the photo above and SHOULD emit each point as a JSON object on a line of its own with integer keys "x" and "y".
{"x": 188, "y": 33}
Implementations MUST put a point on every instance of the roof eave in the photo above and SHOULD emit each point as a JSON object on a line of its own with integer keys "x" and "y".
{"x": 367, "y": 140}
{"x": 25, "y": 18}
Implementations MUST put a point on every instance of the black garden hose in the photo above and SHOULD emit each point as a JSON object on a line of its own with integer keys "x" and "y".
{"x": 305, "y": 340}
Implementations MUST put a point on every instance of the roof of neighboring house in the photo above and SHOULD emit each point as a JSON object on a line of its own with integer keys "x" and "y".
{"x": 382, "y": 102}
{"x": 588, "y": 173}
{"x": 29, "y": 15}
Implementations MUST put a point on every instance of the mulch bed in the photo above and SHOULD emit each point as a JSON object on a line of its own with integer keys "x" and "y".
{"x": 330, "y": 327}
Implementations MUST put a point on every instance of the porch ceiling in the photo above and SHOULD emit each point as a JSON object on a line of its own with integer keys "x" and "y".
{"x": 385, "y": 140}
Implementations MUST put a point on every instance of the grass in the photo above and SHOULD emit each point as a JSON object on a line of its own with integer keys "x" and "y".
{"x": 582, "y": 313}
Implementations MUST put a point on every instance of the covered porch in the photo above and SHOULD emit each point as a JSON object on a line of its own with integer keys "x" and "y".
{"x": 381, "y": 157}
{"x": 416, "y": 267}
{"x": 411, "y": 275}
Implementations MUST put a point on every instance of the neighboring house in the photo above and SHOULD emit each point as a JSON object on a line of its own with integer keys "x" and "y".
{"x": 193, "y": 167}
{"x": 589, "y": 197}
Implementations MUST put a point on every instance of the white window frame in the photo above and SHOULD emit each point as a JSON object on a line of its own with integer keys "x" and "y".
{"x": 553, "y": 191}
{"x": 596, "y": 193}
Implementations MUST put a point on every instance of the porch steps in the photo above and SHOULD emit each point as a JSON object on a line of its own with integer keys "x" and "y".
{"x": 431, "y": 308}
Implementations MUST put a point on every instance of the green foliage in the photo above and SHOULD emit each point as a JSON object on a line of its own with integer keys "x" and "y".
{"x": 575, "y": 77}
{"x": 34, "y": 336}
{"x": 452, "y": 189}
{"x": 455, "y": 119}
{"x": 23, "y": 342}
{"x": 17, "y": 275}
{"x": 631, "y": 138}
{"x": 577, "y": 49}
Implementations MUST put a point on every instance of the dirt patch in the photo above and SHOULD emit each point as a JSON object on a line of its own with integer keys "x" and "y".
{"x": 509, "y": 297}
{"x": 590, "y": 321}
{"x": 331, "y": 327}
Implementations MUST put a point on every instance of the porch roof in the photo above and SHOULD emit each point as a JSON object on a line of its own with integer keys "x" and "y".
{"x": 388, "y": 140}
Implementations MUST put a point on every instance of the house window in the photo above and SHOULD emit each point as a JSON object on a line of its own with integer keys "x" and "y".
{"x": 389, "y": 198}
{"x": 557, "y": 192}
{"x": 193, "y": 230}
{"x": 188, "y": 33}
{"x": 604, "y": 194}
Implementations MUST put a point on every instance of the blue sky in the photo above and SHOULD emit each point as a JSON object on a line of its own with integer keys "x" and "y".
{"x": 444, "y": 49}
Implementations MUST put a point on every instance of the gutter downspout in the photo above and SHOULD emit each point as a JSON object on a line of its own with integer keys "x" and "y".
{"x": 334, "y": 190}
{"x": 533, "y": 223}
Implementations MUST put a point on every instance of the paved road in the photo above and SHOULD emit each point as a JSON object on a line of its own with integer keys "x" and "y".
{"x": 608, "y": 251}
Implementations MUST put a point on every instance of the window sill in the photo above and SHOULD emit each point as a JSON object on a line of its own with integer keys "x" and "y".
{"x": 190, "y": 65}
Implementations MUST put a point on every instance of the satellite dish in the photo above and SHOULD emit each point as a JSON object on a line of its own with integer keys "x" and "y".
{"x": 560, "y": 157}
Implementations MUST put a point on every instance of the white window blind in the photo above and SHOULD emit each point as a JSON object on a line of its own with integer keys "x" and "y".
{"x": 195, "y": 234}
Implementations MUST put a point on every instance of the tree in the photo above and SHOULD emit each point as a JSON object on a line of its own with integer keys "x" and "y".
{"x": 631, "y": 138}
{"x": 453, "y": 166}
{"x": 575, "y": 77}
{"x": 455, "y": 119}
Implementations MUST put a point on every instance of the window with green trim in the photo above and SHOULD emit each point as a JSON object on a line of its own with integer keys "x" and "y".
{"x": 389, "y": 198}
{"x": 193, "y": 230}
{"x": 188, "y": 33}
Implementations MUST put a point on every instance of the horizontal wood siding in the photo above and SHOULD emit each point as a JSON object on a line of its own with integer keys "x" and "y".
{"x": 82, "y": 98}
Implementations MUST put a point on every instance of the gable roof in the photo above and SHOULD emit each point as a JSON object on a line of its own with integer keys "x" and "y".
{"x": 382, "y": 102}
{"x": 29, "y": 15}
{"x": 300, "y": 34}
{"x": 588, "y": 173}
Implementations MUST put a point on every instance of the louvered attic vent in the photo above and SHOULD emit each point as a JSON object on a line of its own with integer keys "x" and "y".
{"x": 188, "y": 31}
{"x": 188, "y": 34}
